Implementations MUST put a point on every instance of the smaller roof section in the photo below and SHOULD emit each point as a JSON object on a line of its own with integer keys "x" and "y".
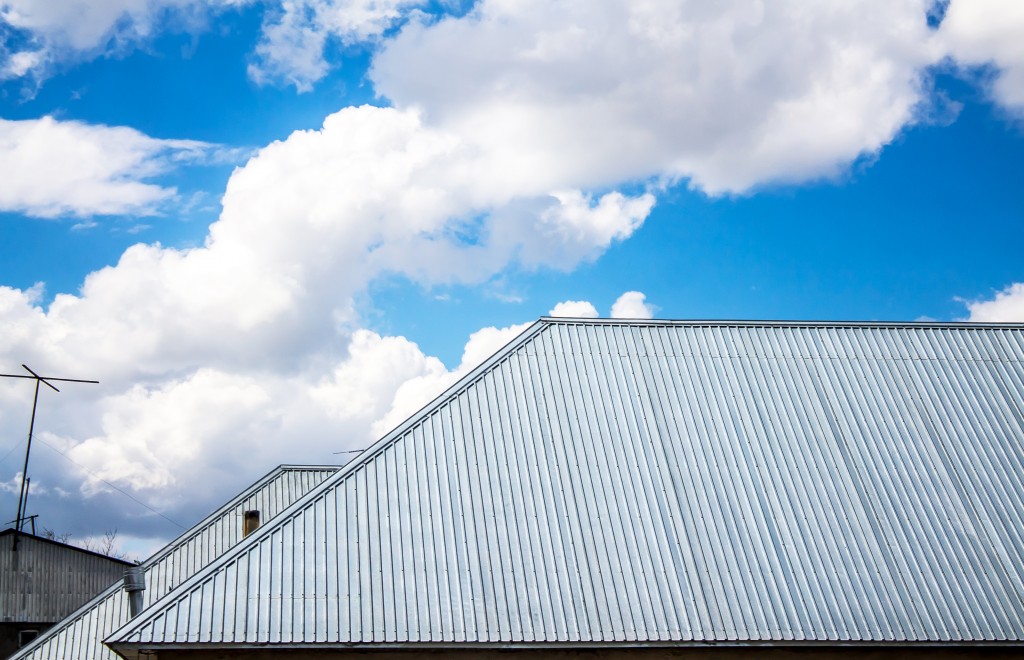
{"x": 80, "y": 635}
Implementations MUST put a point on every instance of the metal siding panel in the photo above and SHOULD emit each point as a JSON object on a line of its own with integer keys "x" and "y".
{"x": 538, "y": 541}
{"x": 47, "y": 581}
{"x": 562, "y": 487}
{"x": 590, "y": 549}
{"x": 438, "y": 595}
{"x": 562, "y": 560}
{"x": 591, "y": 441}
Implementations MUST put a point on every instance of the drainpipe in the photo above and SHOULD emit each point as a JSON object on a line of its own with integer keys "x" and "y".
{"x": 250, "y": 521}
{"x": 134, "y": 584}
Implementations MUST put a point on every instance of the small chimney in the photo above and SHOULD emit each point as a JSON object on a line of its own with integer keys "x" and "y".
{"x": 134, "y": 584}
{"x": 250, "y": 521}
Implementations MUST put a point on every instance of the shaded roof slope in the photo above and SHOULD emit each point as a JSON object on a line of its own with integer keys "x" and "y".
{"x": 604, "y": 481}
{"x": 80, "y": 635}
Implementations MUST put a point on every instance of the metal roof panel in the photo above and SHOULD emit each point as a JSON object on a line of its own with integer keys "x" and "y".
{"x": 610, "y": 481}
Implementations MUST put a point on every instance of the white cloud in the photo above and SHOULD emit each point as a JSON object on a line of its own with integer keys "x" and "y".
{"x": 83, "y": 25}
{"x": 61, "y": 30}
{"x": 978, "y": 32}
{"x": 728, "y": 95}
{"x": 631, "y": 305}
{"x": 153, "y": 435}
{"x": 580, "y": 309}
{"x": 574, "y": 229}
{"x": 378, "y": 191}
{"x": 21, "y": 63}
{"x": 291, "y": 48}
{"x": 1007, "y": 306}
{"x": 365, "y": 386}
{"x": 52, "y": 168}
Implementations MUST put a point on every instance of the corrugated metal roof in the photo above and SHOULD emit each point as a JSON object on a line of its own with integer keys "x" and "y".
{"x": 602, "y": 481}
{"x": 80, "y": 635}
{"x": 44, "y": 580}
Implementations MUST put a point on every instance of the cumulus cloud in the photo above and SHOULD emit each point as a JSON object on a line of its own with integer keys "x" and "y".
{"x": 725, "y": 94}
{"x": 52, "y": 168}
{"x": 149, "y": 434}
{"x": 378, "y": 191}
{"x": 580, "y": 309}
{"x": 573, "y": 229}
{"x": 988, "y": 32}
{"x": 84, "y": 25}
{"x": 181, "y": 443}
{"x": 291, "y": 48}
{"x": 1006, "y": 306}
{"x": 632, "y": 305}
{"x": 58, "y": 30}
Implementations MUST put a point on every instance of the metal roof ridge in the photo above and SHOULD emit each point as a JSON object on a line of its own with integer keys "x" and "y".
{"x": 295, "y": 467}
{"x": 960, "y": 325}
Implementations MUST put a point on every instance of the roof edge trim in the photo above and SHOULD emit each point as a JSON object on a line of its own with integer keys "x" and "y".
{"x": 352, "y": 646}
{"x": 749, "y": 323}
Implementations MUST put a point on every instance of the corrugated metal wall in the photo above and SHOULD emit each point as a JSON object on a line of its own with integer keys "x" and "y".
{"x": 81, "y": 635}
{"x": 640, "y": 481}
{"x": 44, "y": 581}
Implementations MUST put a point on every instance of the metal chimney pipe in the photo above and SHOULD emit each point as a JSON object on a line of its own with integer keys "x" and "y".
{"x": 250, "y": 521}
{"x": 134, "y": 584}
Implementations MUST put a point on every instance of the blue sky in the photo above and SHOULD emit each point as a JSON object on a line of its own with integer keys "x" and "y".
{"x": 720, "y": 160}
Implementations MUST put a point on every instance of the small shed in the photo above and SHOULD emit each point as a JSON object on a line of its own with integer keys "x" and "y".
{"x": 42, "y": 581}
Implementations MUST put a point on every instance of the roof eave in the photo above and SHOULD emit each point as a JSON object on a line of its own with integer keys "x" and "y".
{"x": 133, "y": 650}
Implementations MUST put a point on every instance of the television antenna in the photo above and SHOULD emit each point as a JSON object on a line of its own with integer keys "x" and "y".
{"x": 19, "y": 520}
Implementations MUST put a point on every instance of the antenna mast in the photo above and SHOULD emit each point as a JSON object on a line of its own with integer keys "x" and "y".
{"x": 19, "y": 520}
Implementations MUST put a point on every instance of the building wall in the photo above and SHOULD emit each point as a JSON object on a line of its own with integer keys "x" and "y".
{"x": 46, "y": 581}
{"x": 703, "y": 653}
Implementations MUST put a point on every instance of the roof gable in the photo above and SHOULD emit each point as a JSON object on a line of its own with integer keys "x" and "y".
{"x": 603, "y": 481}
